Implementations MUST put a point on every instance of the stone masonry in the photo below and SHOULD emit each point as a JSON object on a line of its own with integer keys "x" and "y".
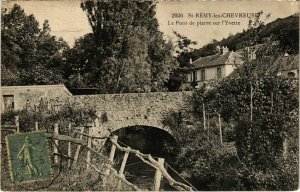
{"x": 125, "y": 110}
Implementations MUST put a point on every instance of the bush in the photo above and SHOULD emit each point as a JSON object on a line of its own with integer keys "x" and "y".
{"x": 77, "y": 178}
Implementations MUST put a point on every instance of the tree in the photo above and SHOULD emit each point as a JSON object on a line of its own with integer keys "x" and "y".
{"x": 183, "y": 57}
{"x": 285, "y": 31}
{"x": 184, "y": 50}
{"x": 80, "y": 62}
{"x": 26, "y": 48}
{"x": 263, "y": 109}
{"x": 260, "y": 159}
{"x": 263, "y": 104}
{"x": 201, "y": 158}
{"x": 129, "y": 53}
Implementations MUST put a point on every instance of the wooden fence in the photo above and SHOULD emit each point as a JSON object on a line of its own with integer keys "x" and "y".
{"x": 12, "y": 128}
{"x": 79, "y": 143}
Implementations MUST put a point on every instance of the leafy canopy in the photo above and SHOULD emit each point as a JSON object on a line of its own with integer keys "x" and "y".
{"x": 30, "y": 55}
{"x": 125, "y": 51}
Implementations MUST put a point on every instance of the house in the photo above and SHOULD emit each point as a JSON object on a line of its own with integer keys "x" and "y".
{"x": 287, "y": 66}
{"x": 15, "y": 97}
{"x": 210, "y": 68}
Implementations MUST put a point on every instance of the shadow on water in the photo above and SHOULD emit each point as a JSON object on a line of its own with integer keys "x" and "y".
{"x": 147, "y": 140}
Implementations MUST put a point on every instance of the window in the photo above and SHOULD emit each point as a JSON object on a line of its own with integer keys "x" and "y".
{"x": 8, "y": 101}
{"x": 203, "y": 75}
{"x": 195, "y": 76}
{"x": 192, "y": 76}
{"x": 219, "y": 72}
{"x": 198, "y": 75}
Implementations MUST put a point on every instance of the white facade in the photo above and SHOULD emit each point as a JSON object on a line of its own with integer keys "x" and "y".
{"x": 228, "y": 69}
{"x": 209, "y": 73}
{"x": 212, "y": 67}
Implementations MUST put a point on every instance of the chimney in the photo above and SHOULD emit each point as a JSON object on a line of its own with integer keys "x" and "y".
{"x": 224, "y": 50}
{"x": 218, "y": 48}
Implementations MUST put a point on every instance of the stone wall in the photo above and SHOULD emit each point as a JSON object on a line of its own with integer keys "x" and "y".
{"x": 123, "y": 110}
{"x": 21, "y": 95}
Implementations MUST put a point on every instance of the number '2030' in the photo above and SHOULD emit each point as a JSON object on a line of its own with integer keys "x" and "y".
{"x": 177, "y": 15}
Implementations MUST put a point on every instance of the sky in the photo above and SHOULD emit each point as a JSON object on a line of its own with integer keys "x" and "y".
{"x": 67, "y": 20}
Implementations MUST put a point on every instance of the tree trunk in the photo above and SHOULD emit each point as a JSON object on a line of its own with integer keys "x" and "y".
{"x": 251, "y": 102}
{"x": 208, "y": 125}
{"x": 220, "y": 128}
{"x": 119, "y": 76}
{"x": 251, "y": 118}
{"x": 285, "y": 147}
{"x": 204, "y": 120}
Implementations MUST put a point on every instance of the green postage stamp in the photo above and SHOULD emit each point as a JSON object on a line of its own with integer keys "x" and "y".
{"x": 28, "y": 157}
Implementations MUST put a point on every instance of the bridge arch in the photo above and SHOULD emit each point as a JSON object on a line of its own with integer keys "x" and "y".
{"x": 147, "y": 139}
{"x": 161, "y": 127}
{"x": 108, "y": 129}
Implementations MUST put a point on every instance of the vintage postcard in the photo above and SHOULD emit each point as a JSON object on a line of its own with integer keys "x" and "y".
{"x": 157, "y": 95}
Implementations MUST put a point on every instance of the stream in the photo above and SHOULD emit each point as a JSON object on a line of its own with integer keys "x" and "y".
{"x": 149, "y": 141}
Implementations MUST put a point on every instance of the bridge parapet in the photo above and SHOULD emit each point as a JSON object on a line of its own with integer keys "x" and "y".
{"x": 121, "y": 110}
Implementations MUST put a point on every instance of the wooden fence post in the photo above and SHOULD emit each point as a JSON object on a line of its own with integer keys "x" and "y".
{"x": 36, "y": 126}
{"x": 17, "y": 118}
{"x": 78, "y": 148}
{"x": 56, "y": 143}
{"x": 123, "y": 167}
{"x": 157, "y": 178}
{"x": 69, "y": 148}
{"x": 89, "y": 144}
{"x": 111, "y": 158}
{"x": 113, "y": 149}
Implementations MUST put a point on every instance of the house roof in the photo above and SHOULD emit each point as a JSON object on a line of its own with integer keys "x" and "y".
{"x": 229, "y": 58}
{"x": 37, "y": 87}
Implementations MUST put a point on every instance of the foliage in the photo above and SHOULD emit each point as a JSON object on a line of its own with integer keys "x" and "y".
{"x": 255, "y": 161}
{"x": 47, "y": 117}
{"x": 10, "y": 76}
{"x": 183, "y": 56}
{"x": 77, "y": 178}
{"x": 285, "y": 31}
{"x": 263, "y": 109}
{"x": 25, "y": 48}
{"x": 125, "y": 51}
{"x": 201, "y": 159}
{"x": 184, "y": 49}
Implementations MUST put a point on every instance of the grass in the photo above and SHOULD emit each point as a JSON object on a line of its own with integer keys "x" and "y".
{"x": 77, "y": 178}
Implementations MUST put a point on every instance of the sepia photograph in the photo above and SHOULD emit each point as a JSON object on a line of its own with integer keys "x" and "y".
{"x": 149, "y": 95}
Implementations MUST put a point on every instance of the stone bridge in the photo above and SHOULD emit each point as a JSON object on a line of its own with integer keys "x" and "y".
{"x": 116, "y": 111}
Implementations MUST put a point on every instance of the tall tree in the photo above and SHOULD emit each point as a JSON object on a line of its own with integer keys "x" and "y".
{"x": 129, "y": 54}
{"x": 184, "y": 53}
{"x": 31, "y": 53}
{"x": 184, "y": 49}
